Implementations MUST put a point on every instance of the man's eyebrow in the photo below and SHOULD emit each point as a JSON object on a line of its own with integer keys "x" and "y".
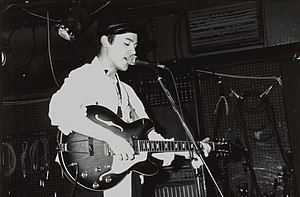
{"x": 131, "y": 40}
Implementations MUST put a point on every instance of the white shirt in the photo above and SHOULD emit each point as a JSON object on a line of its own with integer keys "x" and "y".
{"x": 89, "y": 85}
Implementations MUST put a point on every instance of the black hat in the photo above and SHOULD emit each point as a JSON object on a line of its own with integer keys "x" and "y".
{"x": 116, "y": 26}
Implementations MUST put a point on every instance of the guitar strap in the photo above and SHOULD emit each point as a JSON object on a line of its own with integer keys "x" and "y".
{"x": 132, "y": 114}
{"x": 119, "y": 93}
{"x": 136, "y": 186}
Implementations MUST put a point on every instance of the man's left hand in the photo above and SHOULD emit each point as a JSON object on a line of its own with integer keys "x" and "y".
{"x": 194, "y": 157}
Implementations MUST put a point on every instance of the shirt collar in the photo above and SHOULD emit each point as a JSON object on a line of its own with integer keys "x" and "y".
{"x": 100, "y": 68}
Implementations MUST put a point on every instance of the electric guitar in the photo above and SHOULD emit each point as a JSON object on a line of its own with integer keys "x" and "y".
{"x": 91, "y": 164}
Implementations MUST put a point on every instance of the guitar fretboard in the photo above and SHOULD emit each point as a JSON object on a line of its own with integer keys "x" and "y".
{"x": 163, "y": 146}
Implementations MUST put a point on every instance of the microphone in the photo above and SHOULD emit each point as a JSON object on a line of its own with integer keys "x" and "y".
{"x": 134, "y": 61}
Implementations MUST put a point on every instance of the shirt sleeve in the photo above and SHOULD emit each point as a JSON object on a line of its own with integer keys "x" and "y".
{"x": 66, "y": 104}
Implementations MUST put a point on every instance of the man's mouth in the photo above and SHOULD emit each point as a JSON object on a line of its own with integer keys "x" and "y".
{"x": 130, "y": 60}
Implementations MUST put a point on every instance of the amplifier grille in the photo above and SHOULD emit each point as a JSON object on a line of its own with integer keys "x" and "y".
{"x": 224, "y": 27}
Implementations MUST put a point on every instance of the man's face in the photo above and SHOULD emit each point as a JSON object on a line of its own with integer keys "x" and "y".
{"x": 121, "y": 49}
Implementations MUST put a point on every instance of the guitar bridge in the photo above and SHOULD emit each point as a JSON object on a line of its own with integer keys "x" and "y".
{"x": 107, "y": 150}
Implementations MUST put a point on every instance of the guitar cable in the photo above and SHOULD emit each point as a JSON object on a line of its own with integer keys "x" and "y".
{"x": 12, "y": 160}
{"x": 76, "y": 178}
{"x": 59, "y": 140}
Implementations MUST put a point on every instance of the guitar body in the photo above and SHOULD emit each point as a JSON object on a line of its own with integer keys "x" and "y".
{"x": 90, "y": 162}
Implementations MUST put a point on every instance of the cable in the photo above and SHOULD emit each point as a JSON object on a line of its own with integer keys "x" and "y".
{"x": 23, "y": 157}
{"x": 181, "y": 113}
{"x": 272, "y": 120}
{"x": 278, "y": 79}
{"x": 76, "y": 178}
{"x": 33, "y": 51}
{"x": 248, "y": 153}
{"x": 12, "y": 160}
{"x": 188, "y": 141}
{"x": 179, "y": 28}
{"x": 42, "y": 17}
{"x": 49, "y": 51}
{"x": 38, "y": 155}
{"x": 9, "y": 6}
{"x": 100, "y": 8}
{"x": 25, "y": 102}
{"x": 9, "y": 46}
{"x": 188, "y": 132}
{"x": 176, "y": 90}
{"x": 288, "y": 170}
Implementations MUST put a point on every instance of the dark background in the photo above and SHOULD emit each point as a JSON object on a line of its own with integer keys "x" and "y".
{"x": 245, "y": 38}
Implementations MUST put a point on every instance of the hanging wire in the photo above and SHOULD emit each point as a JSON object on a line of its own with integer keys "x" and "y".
{"x": 226, "y": 105}
{"x": 40, "y": 16}
{"x": 278, "y": 79}
{"x": 39, "y": 158}
{"x": 100, "y": 8}
{"x": 179, "y": 33}
{"x": 25, "y": 102}
{"x": 11, "y": 159}
{"x": 53, "y": 20}
{"x": 49, "y": 51}
{"x": 9, "y": 6}
{"x": 23, "y": 158}
{"x": 176, "y": 91}
{"x": 33, "y": 50}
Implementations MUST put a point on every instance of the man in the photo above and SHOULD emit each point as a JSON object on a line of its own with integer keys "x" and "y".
{"x": 97, "y": 83}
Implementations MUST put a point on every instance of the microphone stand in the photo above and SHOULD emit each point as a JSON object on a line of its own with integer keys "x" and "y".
{"x": 188, "y": 132}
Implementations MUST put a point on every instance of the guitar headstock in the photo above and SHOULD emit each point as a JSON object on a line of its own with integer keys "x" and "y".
{"x": 221, "y": 147}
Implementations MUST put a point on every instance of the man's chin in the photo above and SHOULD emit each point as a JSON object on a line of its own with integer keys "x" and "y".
{"x": 124, "y": 67}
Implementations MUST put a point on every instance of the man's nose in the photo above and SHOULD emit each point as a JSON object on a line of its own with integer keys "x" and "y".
{"x": 132, "y": 50}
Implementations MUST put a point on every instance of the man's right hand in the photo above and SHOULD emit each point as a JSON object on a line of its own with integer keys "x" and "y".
{"x": 121, "y": 147}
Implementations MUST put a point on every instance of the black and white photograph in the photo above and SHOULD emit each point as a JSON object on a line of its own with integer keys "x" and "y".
{"x": 150, "y": 98}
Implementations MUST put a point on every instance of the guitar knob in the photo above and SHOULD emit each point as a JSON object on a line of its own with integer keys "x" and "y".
{"x": 108, "y": 179}
{"x": 98, "y": 169}
{"x": 95, "y": 185}
{"x": 84, "y": 174}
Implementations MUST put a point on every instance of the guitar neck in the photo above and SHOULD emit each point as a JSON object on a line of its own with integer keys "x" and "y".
{"x": 165, "y": 146}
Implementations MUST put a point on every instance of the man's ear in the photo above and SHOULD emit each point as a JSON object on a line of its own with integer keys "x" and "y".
{"x": 104, "y": 40}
